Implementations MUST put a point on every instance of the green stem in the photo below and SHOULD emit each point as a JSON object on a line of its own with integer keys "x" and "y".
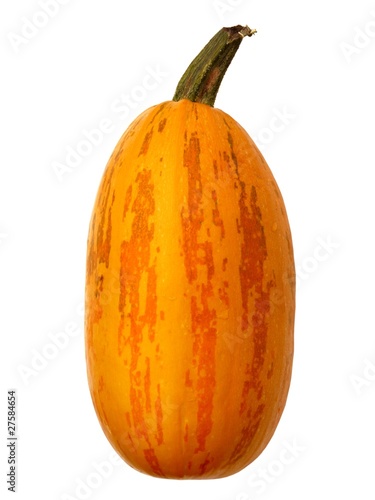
{"x": 202, "y": 79}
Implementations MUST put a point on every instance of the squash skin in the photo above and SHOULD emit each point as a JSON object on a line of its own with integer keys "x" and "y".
{"x": 190, "y": 296}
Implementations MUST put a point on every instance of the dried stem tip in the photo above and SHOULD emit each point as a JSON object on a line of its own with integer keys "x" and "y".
{"x": 202, "y": 79}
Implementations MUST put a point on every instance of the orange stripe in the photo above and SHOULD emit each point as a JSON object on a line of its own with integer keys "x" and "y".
{"x": 196, "y": 254}
{"x": 146, "y": 143}
{"x": 251, "y": 273}
{"x": 135, "y": 262}
{"x": 159, "y": 418}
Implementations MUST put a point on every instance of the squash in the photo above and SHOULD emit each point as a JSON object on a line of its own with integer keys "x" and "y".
{"x": 190, "y": 293}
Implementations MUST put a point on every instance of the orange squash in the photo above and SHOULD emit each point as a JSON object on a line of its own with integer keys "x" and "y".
{"x": 190, "y": 293}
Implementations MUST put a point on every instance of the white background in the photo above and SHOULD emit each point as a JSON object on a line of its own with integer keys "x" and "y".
{"x": 311, "y": 63}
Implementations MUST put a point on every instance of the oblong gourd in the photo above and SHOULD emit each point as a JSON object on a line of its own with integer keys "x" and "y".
{"x": 190, "y": 293}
